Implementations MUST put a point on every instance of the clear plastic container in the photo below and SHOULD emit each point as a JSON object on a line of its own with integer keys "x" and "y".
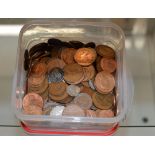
{"x": 100, "y": 33}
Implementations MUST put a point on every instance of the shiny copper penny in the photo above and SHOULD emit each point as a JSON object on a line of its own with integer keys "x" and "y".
{"x": 67, "y": 55}
{"x": 90, "y": 113}
{"x": 89, "y": 72}
{"x": 73, "y": 73}
{"x": 38, "y": 69}
{"x": 105, "y": 51}
{"x": 32, "y": 99}
{"x": 103, "y": 101}
{"x": 83, "y": 100}
{"x": 55, "y": 63}
{"x": 85, "y": 56}
{"x": 104, "y": 82}
{"x": 105, "y": 113}
{"x": 108, "y": 65}
{"x": 57, "y": 88}
{"x": 73, "y": 110}
{"x": 33, "y": 110}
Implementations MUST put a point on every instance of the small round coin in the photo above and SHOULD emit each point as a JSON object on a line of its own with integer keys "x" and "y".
{"x": 105, "y": 51}
{"x": 32, "y": 99}
{"x": 67, "y": 55}
{"x": 73, "y": 73}
{"x": 57, "y": 111}
{"x": 35, "y": 81}
{"x": 73, "y": 110}
{"x": 105, "y": 113}
{"x": 38, "y": 69}
{"x": 33, "y": 110}
{"x": 103, "y": 101}
{"x": 108, "y": 65}
{"x": 89, "y": 72}
{"x": 83, "y": 100}
{"x": 73, "y": 90}
{"x": 104, "y": 82}
{"x": 85, "y": 56}
{"x": 55, "y": 75}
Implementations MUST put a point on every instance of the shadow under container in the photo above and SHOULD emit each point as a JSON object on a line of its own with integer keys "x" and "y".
{"x": 98, "y": 32}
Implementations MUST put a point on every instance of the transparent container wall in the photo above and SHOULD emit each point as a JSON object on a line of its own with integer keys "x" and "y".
{"x": 100, "y": 33}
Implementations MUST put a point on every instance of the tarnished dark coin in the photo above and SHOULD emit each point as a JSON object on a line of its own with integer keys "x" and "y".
{"x": 55, "y": 75}
{"x": 39, "y": 48}
{"x": 26, "y": 64}
{"x": 76, "y": 44}
{"x": 55, "y": 42}
{"x": 90, "y": 44}
{"x": 66, "y": 44}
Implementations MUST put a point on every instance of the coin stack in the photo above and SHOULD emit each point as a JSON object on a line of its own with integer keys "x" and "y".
{"x": 73, "y": 78}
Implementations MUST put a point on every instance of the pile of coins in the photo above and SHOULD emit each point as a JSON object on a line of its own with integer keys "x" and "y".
{"x": 70, "y": 79}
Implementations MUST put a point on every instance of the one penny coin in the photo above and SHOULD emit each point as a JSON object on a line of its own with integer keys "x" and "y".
{"x": 105, "y": 51}
{"x": 55, "y": 63}
{"x": 104, "y": 82}
{"x": 67, "y": 55}
{"x": 73, "y": 73}
{"x": 35, "y": 81}
{"x": 33, "y": 110}
{"x": 32, "y": 99}
{"x": 85, "y": 56}
{"x": 105, "y": 113}
{"x": 108, "y": 65}
{"x": 73, "y": 110}
{"x": 38, "y": 69}
{"x": 103, "y": 101}
{"x": 89, "y": 72}
{"x": 83, "y": 100}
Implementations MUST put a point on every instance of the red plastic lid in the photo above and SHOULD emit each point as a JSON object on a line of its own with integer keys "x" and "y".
{"x": 47, "y": 132}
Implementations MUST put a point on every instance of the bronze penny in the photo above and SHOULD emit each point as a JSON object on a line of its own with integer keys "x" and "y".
{"x": 90, "y": 113}
{"x": 57, "y": 88}
{"x": 85, "y": 56}
{"x": 83, "y": 100}
{"x": 103, "y": 101}
{"x": 38, "y": 69}
{"x": 98, "y": 64}
{"x": 105, "y": 113}
{"x": 32, "y": 99}
{"x": 108, "y": 65}
{"x": 58, "y": 98}
{"x": 105, "y": 51}
{"x": 87, "y": 90}
{"x": 104, "y": 82}
{"x": 67, "y": 55}
{"x": 73, "y": 110}
{"x": 73, "y": 73}
{"x": 55, "y": 63}
{"x": 35, "y": 81}
{"x": 33, "y": 110}
{"x": 89, "y": 72}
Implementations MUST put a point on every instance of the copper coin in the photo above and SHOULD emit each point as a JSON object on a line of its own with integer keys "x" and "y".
{"x": 98, "y": 64}
{"x": 32, "y": 99}
{"x": 87, "y": 90}
{"x": 108, "y": 65}
{"x": 35, "y": 81}
{"x": 57, "y": 88}
{"x": 45, "y": 60}
{"x": 33, "y": 110}
{"x": 73, "y": 110}
{"x": 105, "y": 51}
{"x": 104, "y": 82}
{"x": 44, "y": 95}
{"x": 105, "y": 113}
{"x": 40, "y": 89}
{"x": 67, "y": 55}
{"x": 85, "y": 56}
{"x": 90, "y": 113}
{"x": 55, "y": 63}
{"x": 103, "y": 101}
{"x": 83, "y": 100}
{"x": 66, "y": 100}
{"x": 73, "y": 73}
{"x": 89, "y": 72}
{"x": 58, "y": 98}
{"x": 38, "y": 69}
